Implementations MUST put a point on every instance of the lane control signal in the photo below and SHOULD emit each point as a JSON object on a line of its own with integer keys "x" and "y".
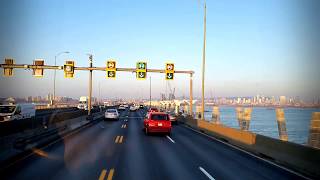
{"x": 7, "y": 72}
{"x": 111, "y": 69}
{"x": 141, "y": 70}
{"x": 169, "y": 71}
{"x": 38, "y": 72}
{"x": 68, "y": 69}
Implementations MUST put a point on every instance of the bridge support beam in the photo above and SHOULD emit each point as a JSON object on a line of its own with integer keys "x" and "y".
{"x": 281, "y": 124}
{"x": 314, "y": 133}
{"x": 216, "y": 115}
{"x": 244, "y": 117}
{"x": 199, "y": 113}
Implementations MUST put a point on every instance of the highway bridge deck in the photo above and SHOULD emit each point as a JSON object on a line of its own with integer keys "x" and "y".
{"x": 120, "y": 150}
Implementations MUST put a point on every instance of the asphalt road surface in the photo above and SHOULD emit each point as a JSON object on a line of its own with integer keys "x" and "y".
{"x": 121, "y": 150}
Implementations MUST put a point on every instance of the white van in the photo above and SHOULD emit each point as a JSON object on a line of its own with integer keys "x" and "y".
{"x": 83, "y": 103}
{"x": 16, "y": 112}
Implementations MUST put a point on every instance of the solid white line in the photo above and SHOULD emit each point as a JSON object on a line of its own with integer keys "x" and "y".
{"x": 171, "y": 139}
{"x": 249, "y": 153}
{"x": 206, "y": 173}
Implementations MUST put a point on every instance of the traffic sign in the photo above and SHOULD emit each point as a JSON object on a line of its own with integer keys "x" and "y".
{"x": 7, "y": 72}
{"x": 141, "y": 75}
{"x": 111, "y": 74}
{"x": 38, "y": 72}
{"x": 141, "y": 66}
{"x": 141, "y": 70}
{"x": 169, "y": 76}
{"x": 169, "y": 71}
{"x": 111, "y": 69}
{"x": 68, "y": 69}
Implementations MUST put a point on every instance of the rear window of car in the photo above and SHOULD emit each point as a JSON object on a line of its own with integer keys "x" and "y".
{"x": 111, "y": 110}
{"x": 159, "y": 117}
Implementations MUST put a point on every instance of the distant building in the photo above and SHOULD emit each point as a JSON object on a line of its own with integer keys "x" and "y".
{"x": 282, "y": 100}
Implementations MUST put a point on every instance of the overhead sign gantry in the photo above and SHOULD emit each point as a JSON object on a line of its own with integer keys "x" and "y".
{"x": 69, "y": 67}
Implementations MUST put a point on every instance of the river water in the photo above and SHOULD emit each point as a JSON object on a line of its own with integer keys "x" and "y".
{"x": 263, "y": 121}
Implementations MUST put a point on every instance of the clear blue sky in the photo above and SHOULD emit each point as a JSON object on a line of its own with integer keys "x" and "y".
{"x": 253, "y": 46}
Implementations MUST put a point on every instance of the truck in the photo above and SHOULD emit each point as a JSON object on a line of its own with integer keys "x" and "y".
{"x": 83, "y": 103}
{"x": 10, "y": 112}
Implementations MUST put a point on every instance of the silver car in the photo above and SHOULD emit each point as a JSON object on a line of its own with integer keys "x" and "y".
{"x": 111, "y": 114}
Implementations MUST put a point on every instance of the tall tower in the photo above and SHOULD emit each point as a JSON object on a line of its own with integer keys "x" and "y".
{"x": 282, "y": 100}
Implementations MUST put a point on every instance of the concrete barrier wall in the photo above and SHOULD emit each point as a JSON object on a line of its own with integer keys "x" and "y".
{"x": 301, "y": 158}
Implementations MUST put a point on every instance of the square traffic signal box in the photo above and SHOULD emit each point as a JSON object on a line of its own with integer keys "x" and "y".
{"x": 38, "y": 72}
{"x": 111, "y": 65}
{"x": 111, "y": 74}
{"x": 141, "y": 66}
{"x": 169, "y": 76}
{"x": 169, "y": 67}
{"x": 7, "y": 72}
{"x": 141, "y": 75}
{"x": 68, "y": 69}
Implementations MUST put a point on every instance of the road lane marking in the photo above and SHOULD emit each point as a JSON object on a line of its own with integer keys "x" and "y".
{"x": 103, "y": 174}
{"x": 125, "y": 126}
{"x": 117, "y": 139}
{"x": 171, "y": 139}
{"x": 121, "y": 138}
{"x": 206, "y": 173}
{"x": 235, "y": 147}
{"x": 110, "y": 175}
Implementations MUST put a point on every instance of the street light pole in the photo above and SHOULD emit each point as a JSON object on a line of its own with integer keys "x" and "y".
{"x": 54, "y": 76}
{"x": 99, "y": 95}
{"x": 90, "y": 85}
{"x": 150, "y": 93}
{"x": 203, "y": 59}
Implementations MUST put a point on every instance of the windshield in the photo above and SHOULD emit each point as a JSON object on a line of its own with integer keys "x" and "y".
{"x": 7, "y": 109}
{"x": 159, "y": 117}
{"x": 111, "y": 110}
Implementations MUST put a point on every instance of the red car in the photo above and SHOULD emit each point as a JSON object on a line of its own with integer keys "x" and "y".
{"x": 157, "y": 122}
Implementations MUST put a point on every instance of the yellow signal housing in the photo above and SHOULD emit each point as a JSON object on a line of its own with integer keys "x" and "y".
{"x": 8, "y": 72}
{"x": 68, "y": 69}
{"x": 38, "y": 72}
{"x": 141, "y": 70}
{"x": 169, "y": 71}
{"x": 111, "y": 69}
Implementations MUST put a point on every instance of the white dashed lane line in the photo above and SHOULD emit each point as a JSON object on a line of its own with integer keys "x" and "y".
{"x": 206, "y": 173}
{"x": 171, "y": 139}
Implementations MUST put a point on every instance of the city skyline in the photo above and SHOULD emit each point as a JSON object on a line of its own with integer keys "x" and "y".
{"x": 242, "y": 100}
{"x": 252, "y": 48}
